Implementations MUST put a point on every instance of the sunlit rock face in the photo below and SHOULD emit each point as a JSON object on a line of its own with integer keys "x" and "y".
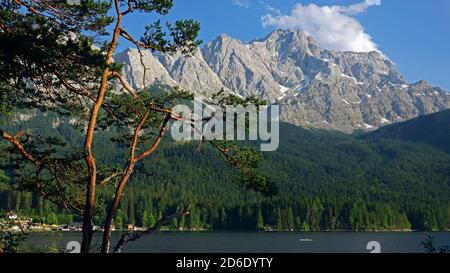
{"x": 345, "y": 91}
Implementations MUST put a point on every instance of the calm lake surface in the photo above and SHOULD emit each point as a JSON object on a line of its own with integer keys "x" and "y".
{"x": 224, "y": 242}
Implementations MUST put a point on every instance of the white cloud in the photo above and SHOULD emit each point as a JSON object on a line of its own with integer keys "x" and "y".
{"x": 260, "y": 6}
{"x": 357, "y": 8}
{"x": 332, "y": 26}
{"x": 269, "y": 8}
{"x": 242, "y": 3}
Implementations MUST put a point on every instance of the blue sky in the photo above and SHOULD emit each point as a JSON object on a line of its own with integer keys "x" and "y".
{"x": 415, "y": 34}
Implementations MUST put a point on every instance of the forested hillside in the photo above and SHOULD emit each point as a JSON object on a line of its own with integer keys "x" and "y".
{"x": 326, "y": 181}
{"x": 433, "y": 129}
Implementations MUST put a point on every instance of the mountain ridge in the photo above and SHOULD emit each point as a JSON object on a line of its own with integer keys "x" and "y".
{"x": 432, "y": 129}
{"x": 344, "y": 91}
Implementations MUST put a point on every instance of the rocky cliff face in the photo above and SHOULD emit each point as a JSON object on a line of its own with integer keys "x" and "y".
{"x": 192, "y": 73}
{"x": 141, "y": 72}
{"x": 314, "y": 86}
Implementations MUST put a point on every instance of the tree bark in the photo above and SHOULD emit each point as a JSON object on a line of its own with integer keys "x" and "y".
{"x": 134, "y": 235}
{"x": 133, "y": 159}
{"x": 117, "y": 197}
{"x": 90, "y": 159}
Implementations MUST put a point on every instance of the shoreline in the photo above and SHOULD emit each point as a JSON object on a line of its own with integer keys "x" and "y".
{"x": 248, "y": 231}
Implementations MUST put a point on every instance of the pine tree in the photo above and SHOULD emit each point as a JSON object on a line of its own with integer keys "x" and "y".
{"x": 280, "y": 223}
{"x": 298, "y": 224}
{"x": 290, "y": 222}
{"x": 305, "y": 226}
{"x": 131, "y": 214}
{"x": 181, "y": 223}
{"x": 52, "y": 44}
{"x": 151, "y": 221}
{"x": 260, "y": 220}
{"x": 223, "y": 218}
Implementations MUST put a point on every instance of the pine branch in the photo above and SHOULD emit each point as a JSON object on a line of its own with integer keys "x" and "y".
{"x": 135, "y": 235}
{"x": 19, "y": 147}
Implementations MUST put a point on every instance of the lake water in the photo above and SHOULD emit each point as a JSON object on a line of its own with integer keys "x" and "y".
{"x": 239, "y": 242}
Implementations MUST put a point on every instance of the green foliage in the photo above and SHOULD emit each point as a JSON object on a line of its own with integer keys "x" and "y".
{"x": 49, "y": 48}
{"x": 222, "y": 98}
{"x": 3, "y": 178}
{"x": 159, "y": 6}
{"x": 181, "y": 38}
{"x": 10, "y": 240}
{"x": 6, "y": 102}
{"x": 260, "y": 220}
{"x": 247, "y": 161}
{"x": 432, "y": 129}
{"x": 52, "y": 57}
{"x": 325, "y": 181}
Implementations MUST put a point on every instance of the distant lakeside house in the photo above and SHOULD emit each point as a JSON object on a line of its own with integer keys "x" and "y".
{"x": 11, "y": 215}
{"x": 24, "y": 223}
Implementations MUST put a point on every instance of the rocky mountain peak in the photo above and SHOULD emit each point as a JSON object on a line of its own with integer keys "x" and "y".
{"x": 316, "y": 87}
{"x": 141, "y": 71}
{"x": 421, "y": 84}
